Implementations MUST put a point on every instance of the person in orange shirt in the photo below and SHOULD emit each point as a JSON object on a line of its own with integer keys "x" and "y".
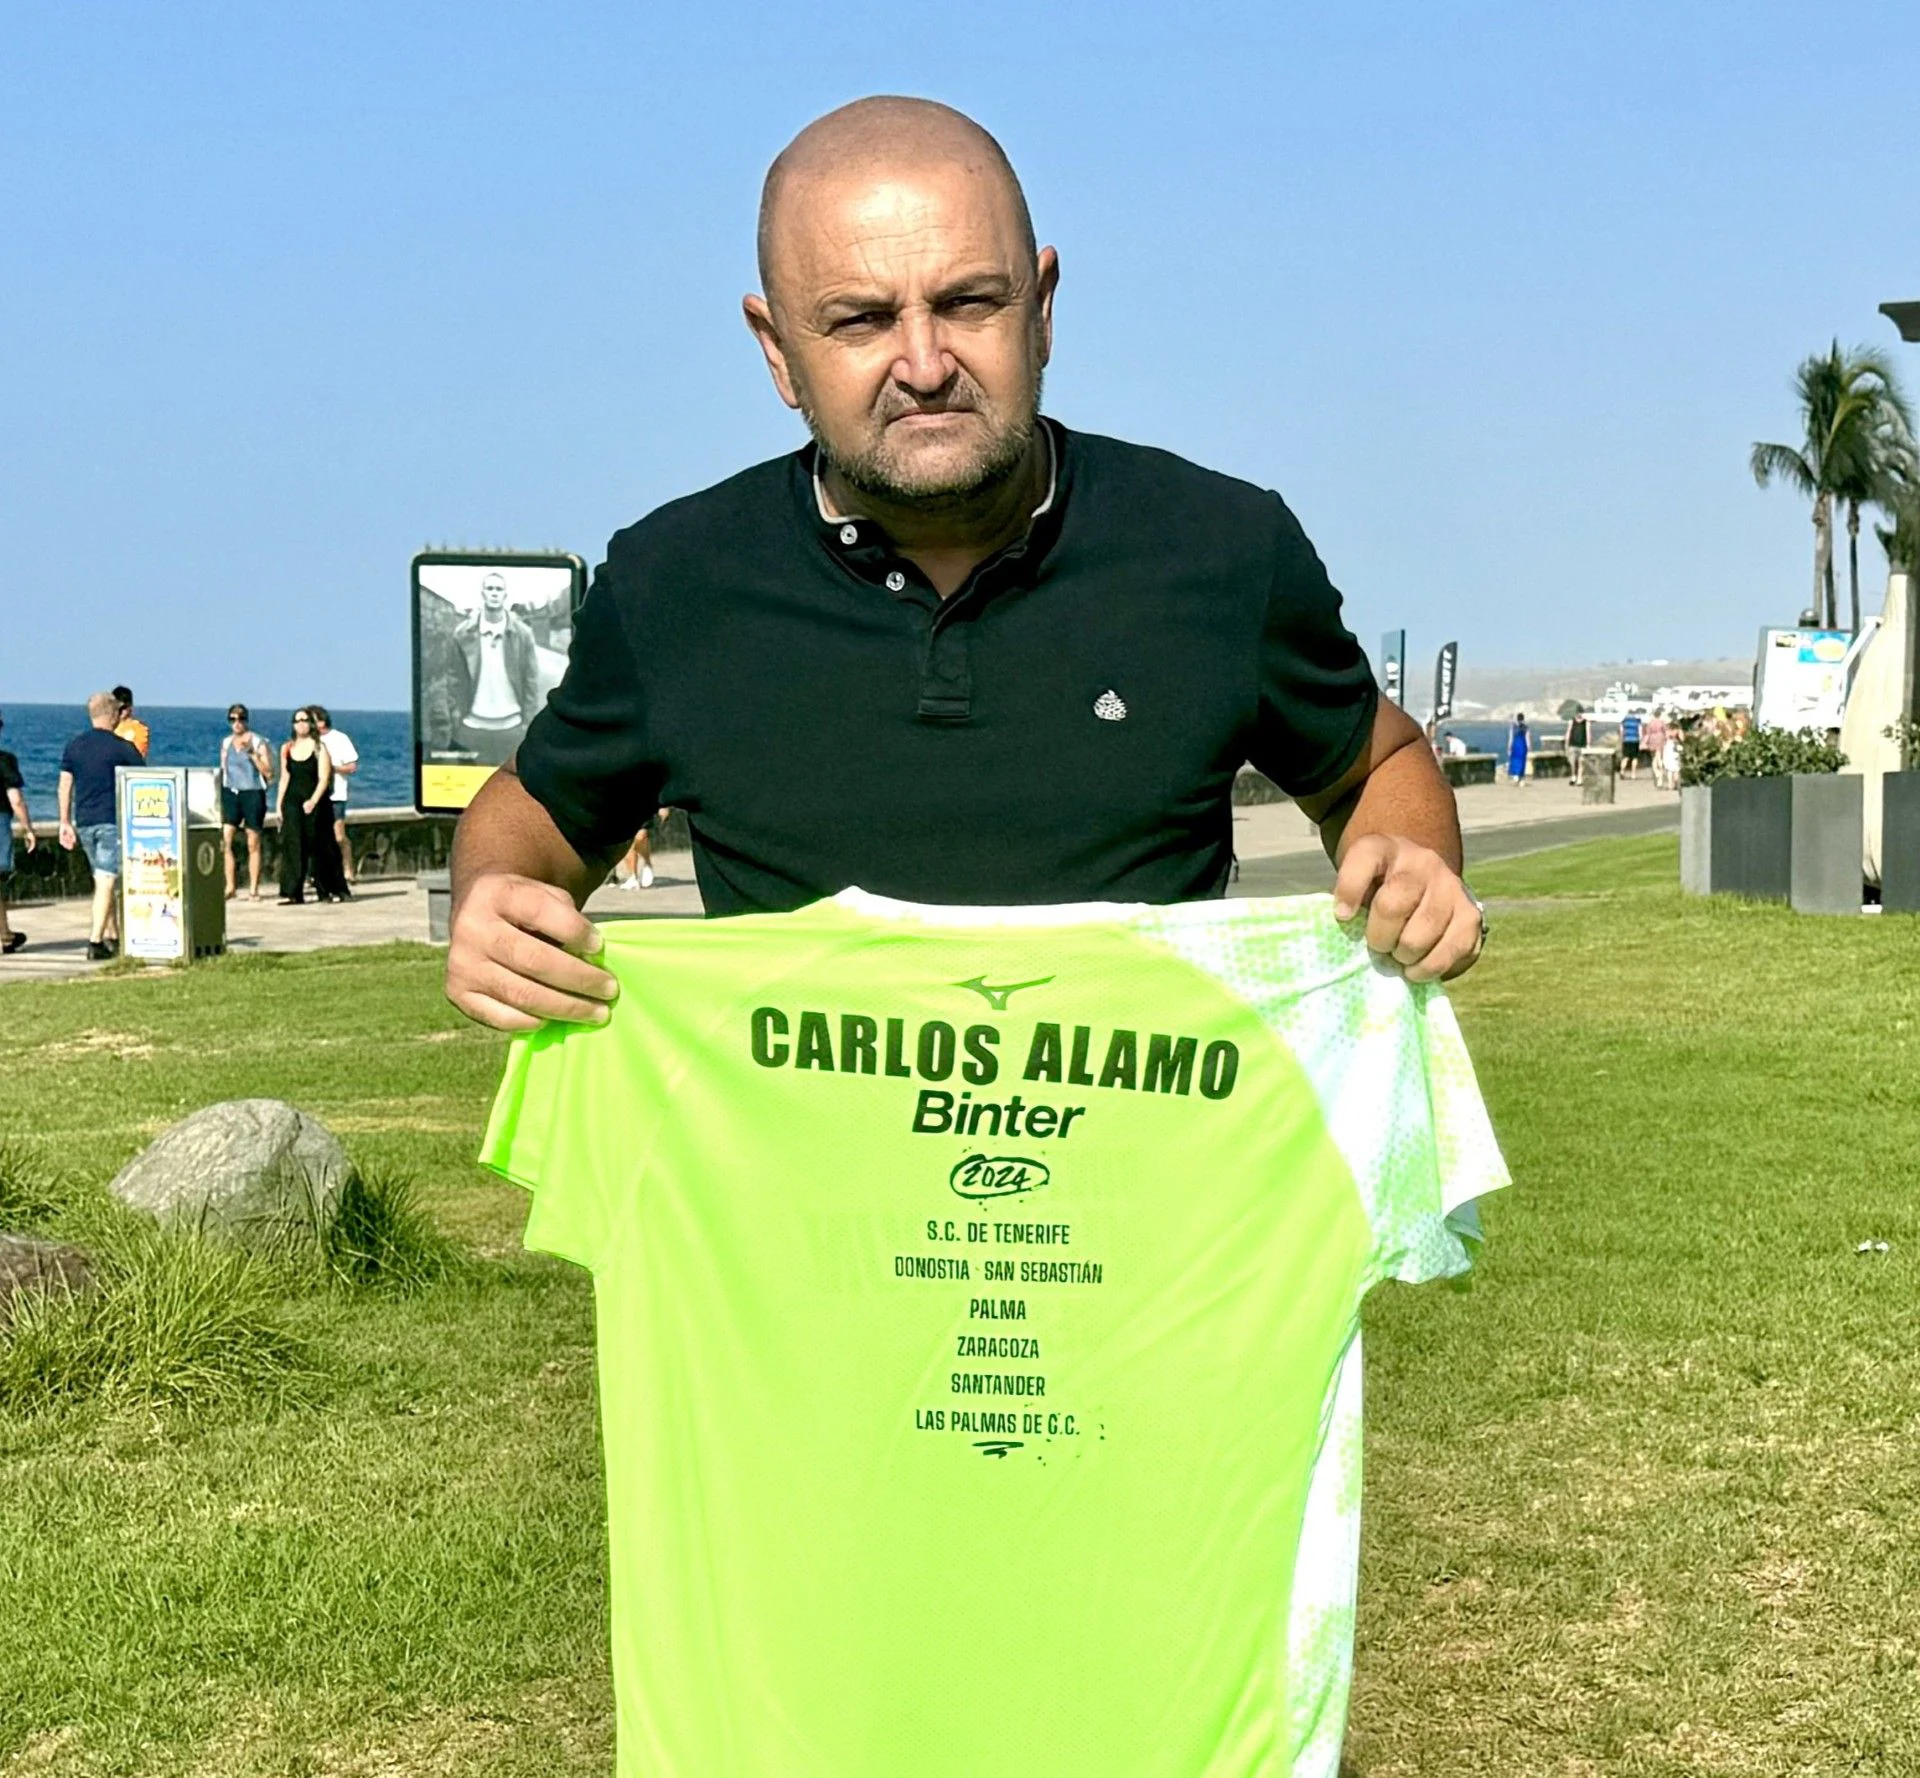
{"x": 130, "y": 727}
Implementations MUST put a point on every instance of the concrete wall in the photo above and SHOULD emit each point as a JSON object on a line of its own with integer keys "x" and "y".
{"x": 386, "y": 843}
{"x": 401, "y": 843}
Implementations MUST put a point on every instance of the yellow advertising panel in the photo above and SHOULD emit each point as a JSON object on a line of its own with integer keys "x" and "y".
{"x": 451, "y": 786}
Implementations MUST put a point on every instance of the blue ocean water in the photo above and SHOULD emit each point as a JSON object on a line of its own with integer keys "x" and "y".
{"x": 1547, "y": 731}
{"x": 191, "y": 736}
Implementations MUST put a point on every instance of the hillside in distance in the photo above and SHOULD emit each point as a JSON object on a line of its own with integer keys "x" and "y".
{"x": 1503, "y": 690}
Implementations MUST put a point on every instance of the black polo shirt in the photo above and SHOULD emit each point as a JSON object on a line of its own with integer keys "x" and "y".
{"x": 1066, "y": 727}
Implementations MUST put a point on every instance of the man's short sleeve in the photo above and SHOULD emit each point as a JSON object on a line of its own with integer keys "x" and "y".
{"x": 1317, "y": 692}
{"x": 10, "y": 778}
{"x": 586, "y": 757}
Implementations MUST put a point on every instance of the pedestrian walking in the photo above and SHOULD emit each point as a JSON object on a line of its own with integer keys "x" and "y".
{"x": 130, "y": 727}
{"x": 1629, "y": 744}
{"x": 306, "y": 818}
{"x": 1576, "y": 741}
{"x": 13, "y": 807}
{"x": 1653, "y": 738}
{"x": 246, "y": 769}
{"x": 89, "y": 812}
{"x": 635, "y": 870}
{"x": 346, "y": 761}
{"x": 1518, "y": 745}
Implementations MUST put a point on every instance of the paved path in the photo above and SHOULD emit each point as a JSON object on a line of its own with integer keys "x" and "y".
{"x": 1278, "y": 849}
{"x": 1300, "y": 873}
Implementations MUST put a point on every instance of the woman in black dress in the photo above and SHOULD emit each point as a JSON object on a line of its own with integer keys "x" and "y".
{"x": 306, "y": 818}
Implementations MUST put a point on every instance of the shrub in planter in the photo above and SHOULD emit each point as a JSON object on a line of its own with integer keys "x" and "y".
{"x": 1706, "y": 758}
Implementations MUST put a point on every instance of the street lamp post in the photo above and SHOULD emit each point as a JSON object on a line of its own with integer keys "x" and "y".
{"x": 1906, "y": 317}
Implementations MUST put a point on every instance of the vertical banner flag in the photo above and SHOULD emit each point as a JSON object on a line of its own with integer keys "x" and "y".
{"x": 1393, "y": 655}
{"x": 153, "y": 844}
{"x": 1443, "y": 671}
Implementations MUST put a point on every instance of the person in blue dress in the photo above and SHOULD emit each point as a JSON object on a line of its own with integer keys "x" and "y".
{"x": 1518, "y": 743}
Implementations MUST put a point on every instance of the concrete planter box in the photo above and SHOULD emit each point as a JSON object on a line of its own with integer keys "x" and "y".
{"x": 1696, "y": 839}
{"x": 1900, "y": 842}
{"x": 1750, "y": 838}
{"x": 1828, "y": 822}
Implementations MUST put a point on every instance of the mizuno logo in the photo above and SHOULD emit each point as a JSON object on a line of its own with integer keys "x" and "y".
{"x": 997, "y": 997}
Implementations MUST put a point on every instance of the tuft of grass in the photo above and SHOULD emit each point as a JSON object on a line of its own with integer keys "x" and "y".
{"x": 31, "y": 1199}
{"x": 172, "y": 1321}
{"x": 379, "y": 1234}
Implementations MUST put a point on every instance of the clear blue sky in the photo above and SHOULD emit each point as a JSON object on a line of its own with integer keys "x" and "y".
{"x": 1498, "y": 296}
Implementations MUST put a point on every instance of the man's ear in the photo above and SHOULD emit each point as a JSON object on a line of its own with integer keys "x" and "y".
{"x": 760, "y": 319}
{"x": 1045, "y": 285}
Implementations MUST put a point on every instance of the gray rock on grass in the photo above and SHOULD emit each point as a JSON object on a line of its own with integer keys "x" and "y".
{"x": 257, "y": 1169}
{"x": 30, "y": 1264}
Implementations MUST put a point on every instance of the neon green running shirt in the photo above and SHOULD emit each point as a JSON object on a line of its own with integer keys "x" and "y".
{"x": 978, "y": 1298}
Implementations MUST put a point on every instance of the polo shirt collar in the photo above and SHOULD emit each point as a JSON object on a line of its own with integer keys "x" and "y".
{"x": 860, "y": 545}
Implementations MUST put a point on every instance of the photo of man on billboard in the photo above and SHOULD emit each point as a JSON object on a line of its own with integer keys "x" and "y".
{"x": 499, "y": 674}
{"x": 490, "y": 641}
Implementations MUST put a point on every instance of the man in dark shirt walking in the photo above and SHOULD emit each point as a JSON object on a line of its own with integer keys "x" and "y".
{"x": 1016, "y": 663}
{"x": 89, "y": 812}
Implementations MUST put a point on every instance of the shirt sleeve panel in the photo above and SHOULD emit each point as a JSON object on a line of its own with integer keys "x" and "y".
{"x": 10, "y": 778}
{"x": 1317, "y": 695}
{"x": 587, "y": 757}
{"x": 534, "y": 1139}
{"x": 579, "y": 1113}
{"x": 1427, "y": 1219}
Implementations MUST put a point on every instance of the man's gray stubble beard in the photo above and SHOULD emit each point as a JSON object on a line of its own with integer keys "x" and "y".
{"x": 866, "y": 473}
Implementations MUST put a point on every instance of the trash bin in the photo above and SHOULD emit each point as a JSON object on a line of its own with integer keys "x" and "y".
{"x": 439, "y": 887}
{"x": 205, "y": 873}
{"x": 1599, "y": 771}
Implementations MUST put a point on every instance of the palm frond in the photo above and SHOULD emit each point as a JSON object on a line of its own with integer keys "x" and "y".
{"x": 1784, "y": 462}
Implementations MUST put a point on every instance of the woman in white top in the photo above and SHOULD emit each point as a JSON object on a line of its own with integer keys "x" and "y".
{"x": 346, "y": 761}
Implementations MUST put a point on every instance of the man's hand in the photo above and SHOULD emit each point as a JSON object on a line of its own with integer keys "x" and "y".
{"x": 1418, "y": 911}
{"x": 68, "y": 837}
{"x": 515, "y": 959}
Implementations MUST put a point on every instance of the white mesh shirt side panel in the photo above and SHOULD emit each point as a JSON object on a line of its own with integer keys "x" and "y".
{"x": 1326, "y": 1583}
{"x": 1360, "y": 1035}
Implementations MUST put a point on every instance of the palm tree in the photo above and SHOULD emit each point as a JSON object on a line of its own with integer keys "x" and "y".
{"x": 1855, "y": 422}
{"x": 1878, "y": 472}
{"x": 1900, "y": 500}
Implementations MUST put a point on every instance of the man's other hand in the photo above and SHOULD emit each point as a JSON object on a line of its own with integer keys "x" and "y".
{"x": 516, "y": 956}
{"x": 1418, "y": 911}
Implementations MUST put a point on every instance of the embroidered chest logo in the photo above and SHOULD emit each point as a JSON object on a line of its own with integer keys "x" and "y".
{"x": 1110, "y": 706}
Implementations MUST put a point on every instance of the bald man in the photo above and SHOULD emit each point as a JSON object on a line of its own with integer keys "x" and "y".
{"x": 950, "y": 651}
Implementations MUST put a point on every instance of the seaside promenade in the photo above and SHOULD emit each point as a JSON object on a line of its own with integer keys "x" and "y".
{"x": 1279, "y": 854}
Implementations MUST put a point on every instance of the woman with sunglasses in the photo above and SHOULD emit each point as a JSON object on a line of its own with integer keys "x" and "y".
{"x": 246, "y": 769}
{"x": 306, "y": 818}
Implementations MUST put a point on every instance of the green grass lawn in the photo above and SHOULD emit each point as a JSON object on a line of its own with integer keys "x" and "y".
{"x": 1640, "y": 1494}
